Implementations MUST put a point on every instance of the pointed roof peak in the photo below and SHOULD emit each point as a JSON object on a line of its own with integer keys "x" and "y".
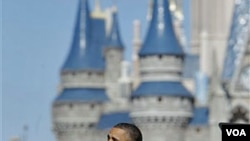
{"x": 84, "y": 6}
{"x": 161, "y": 38}
{"x": 97, "y": 6}
{"x": 97, "y": 12}
{"x": 83, "y": 51}
{"x": 114, "y": 37}
{"x": 114, "y": 9}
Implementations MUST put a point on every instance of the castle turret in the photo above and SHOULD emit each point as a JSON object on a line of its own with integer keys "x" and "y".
{"x": 113, "y": 52}
{"x": 136, "y": 47}
{"x": 209, "y": 31}
{"x": 161, "y": 100}
{"x": 82, "y": 95}
{"x": 85, "y": 54}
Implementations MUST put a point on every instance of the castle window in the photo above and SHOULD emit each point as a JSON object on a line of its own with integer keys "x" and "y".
{"x": 99, "y": 74}
{"x": 197, "y": 129}
{"x": 182, "y": 98}
{"x": 91, "y": 125}
{"x": 163, "y": 119}
{"x": 135, "y": 98}
{"x": 92, "y": 106}
{"x": 149, "y": 119}
{"x": 160, "y": 99}
{"x": 160, "y": 56}
{"x": 81, "y": 125}
{"x": 71, "y": 105}
{"x": 89, "y": 73}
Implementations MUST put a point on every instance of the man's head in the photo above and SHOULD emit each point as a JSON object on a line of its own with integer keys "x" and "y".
{"x": 125, "y": 132}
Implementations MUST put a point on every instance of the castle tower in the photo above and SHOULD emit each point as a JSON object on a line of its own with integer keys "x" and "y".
{"x": 113, "y": 52}
{"x": 235, "y": 74}
{"x": 76, "y": 109}
{"x": 209, "y": 31}
{"x": 149, "y": 11}
{"x": 118, "y": 83}
{"x": 218, "y": 103}
{"x": 125, "y": 80}
{"x": 136, "y": 48}
{"x": 162, "y": 106}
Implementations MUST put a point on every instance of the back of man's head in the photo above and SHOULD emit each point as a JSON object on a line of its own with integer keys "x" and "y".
{"x": 133, "y": 131}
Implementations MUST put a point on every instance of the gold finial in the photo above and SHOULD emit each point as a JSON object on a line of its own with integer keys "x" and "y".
{"x": 97, "y": 12}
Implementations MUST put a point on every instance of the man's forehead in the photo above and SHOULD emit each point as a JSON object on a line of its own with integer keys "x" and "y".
{"x": 118, "y": 133}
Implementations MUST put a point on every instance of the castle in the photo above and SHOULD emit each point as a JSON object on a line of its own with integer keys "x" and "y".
{"x": 171, "y": 93}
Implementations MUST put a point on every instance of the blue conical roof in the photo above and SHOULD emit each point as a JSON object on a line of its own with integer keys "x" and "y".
{"x": 83, "y": 95}
{"x": 114, "y": 38}
{"x": 238, "y": 32}
{"x": 161, "y": 38}
{"x": 161, "y": 88}
{"x": 86, "y": 48}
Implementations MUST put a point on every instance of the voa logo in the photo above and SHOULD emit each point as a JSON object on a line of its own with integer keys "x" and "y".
{"x": 236, "y": 132}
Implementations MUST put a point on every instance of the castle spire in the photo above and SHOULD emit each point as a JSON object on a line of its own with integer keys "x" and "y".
{"x": 97, "y": 6}
{"x": 83, "y": 54}
{"x": 236, "y": 44}
{"x": 80, "y": 37}
{"x": 114, "y": 37}
{"x": 161, "y": 38}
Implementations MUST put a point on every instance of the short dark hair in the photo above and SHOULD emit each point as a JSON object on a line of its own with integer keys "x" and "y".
{"x": 133, "y": 131}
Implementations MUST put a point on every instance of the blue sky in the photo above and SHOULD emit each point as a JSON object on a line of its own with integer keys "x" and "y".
{"x": 36, "y": 39}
